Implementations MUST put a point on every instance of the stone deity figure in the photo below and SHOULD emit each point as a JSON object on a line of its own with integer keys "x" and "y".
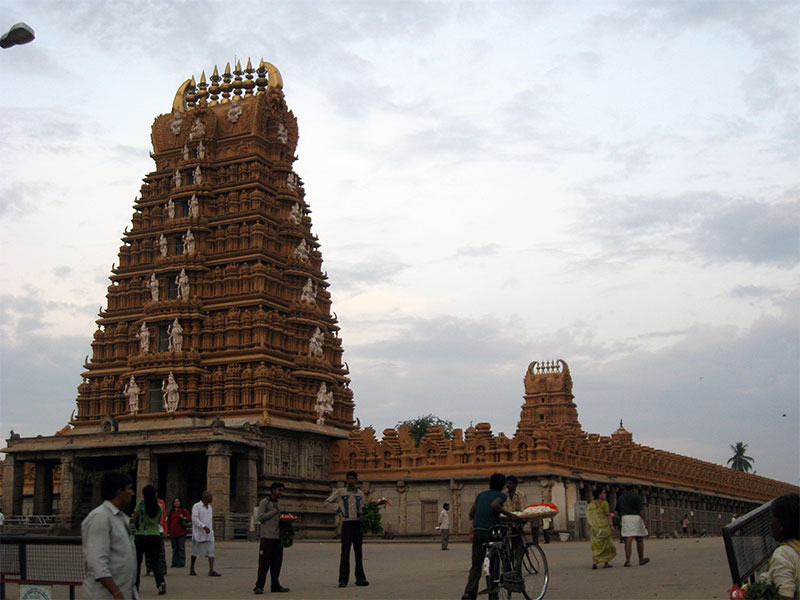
{"x": 176, "y": 179}
{"x": 291, "y": 181}
{"x": 143, "y": 335}
{"x": 295, "y": 216}
{"x": 131, "y": 392}
{"x": 198, "y": 175}
{"x": 324, "y": 404}
{"x": 182, "y": 281}
{"x": 185, "y": 152}
{"x": 201, "y": 151}
{"x": 198, "y": 130}
{"x": 309, "y": 295}
{"x": 170, "y": 394}
{"x": 301, "y": 252}
{"x": 162, "y": 245}
{"x": 315, "y": 344}
{"x": 153, "y": 285}
{"x": 283, "y": 135}
{"x": 235, "y": 111}
{"x": 188, "y": 242}
{"x": 176, "y": 123}
{"x": 194, "y": 207}
{"x": 175, "y": 333}
{"x": 171, "y": 209}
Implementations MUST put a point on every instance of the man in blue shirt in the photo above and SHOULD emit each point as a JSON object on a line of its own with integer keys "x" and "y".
{"x": 485, "y": 514}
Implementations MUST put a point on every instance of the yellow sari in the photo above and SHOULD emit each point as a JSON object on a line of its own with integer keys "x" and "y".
{"x": 603, "y": 549}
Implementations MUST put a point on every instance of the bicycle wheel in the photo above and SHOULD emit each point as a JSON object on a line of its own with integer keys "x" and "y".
{"x": 493, "y": 584}
{"x": 534, "y": 572}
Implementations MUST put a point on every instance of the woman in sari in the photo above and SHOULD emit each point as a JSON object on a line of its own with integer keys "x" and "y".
{"x": 599, "y": 516}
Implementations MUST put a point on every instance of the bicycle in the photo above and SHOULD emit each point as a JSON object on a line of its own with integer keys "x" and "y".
{"x": 514, "y": 565}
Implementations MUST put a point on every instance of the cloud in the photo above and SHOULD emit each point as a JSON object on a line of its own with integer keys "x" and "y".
{"x": 20, "y": 199}
{"x": 476, "y": 251}
{"x": 357, "y": 276}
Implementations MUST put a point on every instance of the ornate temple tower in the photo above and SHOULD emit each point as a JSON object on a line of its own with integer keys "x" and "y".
{"x": 217, "y": 362}
{"x": 548, "y": 397}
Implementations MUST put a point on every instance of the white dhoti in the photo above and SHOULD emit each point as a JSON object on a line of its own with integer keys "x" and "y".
{"x": 633, "y": 526}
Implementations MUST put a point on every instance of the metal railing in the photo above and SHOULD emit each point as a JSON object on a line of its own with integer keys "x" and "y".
{"x": 41, "y": 559}
{"x": 749, "y": 543}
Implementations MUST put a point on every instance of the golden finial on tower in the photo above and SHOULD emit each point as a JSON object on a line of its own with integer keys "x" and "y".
{"x": 202, "y": 87}
{"x": 213, "y": 89}
{"x": 261, "y": 80}
{"x": 237, "y": 83}
{"x": 191, "y": 95}
{"x": 226, "y": 84}
{"x": 248, "y": 74}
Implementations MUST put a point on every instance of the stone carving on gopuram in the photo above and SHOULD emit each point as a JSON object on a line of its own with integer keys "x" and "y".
{"x": 209, "y": 316}
{"x": 554, "y": 459}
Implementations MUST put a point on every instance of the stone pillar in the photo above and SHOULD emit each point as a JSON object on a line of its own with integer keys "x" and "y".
{"x": 455, "y": 492}
{"x": 247, "y": 482}
{"x": 13, "y": 482}
{"x": 402, "y": 509}
{"x": 69, "y": 503}
{"x": 218, "y": 477}
{"x": 43, "y": 489}
{"x": 146, "y": 469}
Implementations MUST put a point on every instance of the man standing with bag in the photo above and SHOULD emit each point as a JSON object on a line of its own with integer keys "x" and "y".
{"x": 270, "y": 551}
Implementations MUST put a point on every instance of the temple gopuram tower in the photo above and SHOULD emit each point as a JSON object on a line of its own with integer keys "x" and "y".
{"x": 216, "y": 363}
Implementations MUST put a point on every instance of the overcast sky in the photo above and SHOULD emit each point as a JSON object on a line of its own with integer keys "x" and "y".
{"x": 615, "y": 184}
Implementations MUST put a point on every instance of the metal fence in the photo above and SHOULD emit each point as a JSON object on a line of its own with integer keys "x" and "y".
{"x": 40, "y": 559}
{"x": 749, "y": 543}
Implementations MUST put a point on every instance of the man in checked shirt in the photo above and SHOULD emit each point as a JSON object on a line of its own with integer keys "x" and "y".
{"x": 350, "y": 502}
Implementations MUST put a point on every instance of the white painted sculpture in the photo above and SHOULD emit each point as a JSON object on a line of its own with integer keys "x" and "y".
{"x": 324, "y": 404}
{"x": 188, "y": 242}
{"x": 185, "y": 152}
{"x": 143, "y": 335}
{"x": 176, "y": 179}
{"x": 162, "y": 245}
{"x": 283, "y": 135}
{"x": 235, "y": 111}
{"x": 201, "y": 151}
{"x": 176, "y": 123}
{"x": 182, "y": 281}
{"x": 198, "y": 130}
{"x": 291, "y": 181}
{"x": 153, "y": 285}
{"x": 194, "y": 207}
{"x": 295, "y": 215}
{"x": 131, "y": 392}
{"x": 301, "y": 252}
{"x": 175, "y": 333}
{"x": 315, "y": 344}
{"x": 171, "y": 209}
{"x": 309, "y": 295}
{"x": 198, "y": 175}
{"x": 170, "y": 394}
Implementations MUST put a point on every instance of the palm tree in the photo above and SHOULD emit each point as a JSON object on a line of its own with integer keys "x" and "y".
{"x": 740, "y": 461}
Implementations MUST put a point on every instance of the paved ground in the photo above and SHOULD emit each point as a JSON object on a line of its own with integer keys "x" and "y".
{"x": 682, "y": 568}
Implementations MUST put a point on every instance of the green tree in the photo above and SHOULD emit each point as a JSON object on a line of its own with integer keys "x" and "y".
{"x": 740, "y": 461}
{"x": 420, "y": 425}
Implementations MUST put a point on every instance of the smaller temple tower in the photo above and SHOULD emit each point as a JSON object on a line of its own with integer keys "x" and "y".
{"x": 548, "y": 397}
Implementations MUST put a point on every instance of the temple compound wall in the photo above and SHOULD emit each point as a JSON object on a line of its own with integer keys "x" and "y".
{"x": 217, "y": 363}
{"x": 555, "y": 461}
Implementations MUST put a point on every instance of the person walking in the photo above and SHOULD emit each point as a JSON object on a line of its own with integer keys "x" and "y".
{"x": 109, "y": 553}
{"x": 350, "y": 502}
{"x": 598, "y": 514}
{"x": 203, "y": 533}
{"x": 485, "y": 514}
{"x": 444, "y": 525}
{"x": 632, "y": 524}
{"x": 146, "y": 517}
{"x": 177, "y": 524}
{"x": 270, "y": 551}
{"x": 685, "y": 525}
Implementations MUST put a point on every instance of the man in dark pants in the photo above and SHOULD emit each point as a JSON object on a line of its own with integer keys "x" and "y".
{"x": 270, "y": 552}
{"x": 349, "y": 503}
{"x": 485, "y": 514}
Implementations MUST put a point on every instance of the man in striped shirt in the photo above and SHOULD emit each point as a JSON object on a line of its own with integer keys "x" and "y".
{"x": 350, "y": 502}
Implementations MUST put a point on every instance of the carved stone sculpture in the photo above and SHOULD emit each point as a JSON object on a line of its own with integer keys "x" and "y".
{"x": 131, "y": 392}
{"x": 201, "y": 151}
{"x": 291, "y": 181}
{"x": 143, "y": 335}
{"x": 171, "y": 209}
{"x": 301, "y": 252}
{"x": 188, "y": 242}
{"x": 176, "y": 179}
{"x": 176, "y": 123}
{"x": 198, "y": 175}
{"x": 162, "y": 245}
{"x": 295, "y": 216}
{"x": 175, "y": 333}
{"x": 309, "y": 295}
{"x": 283, "y": 135}
{"x": 324, "y": 403}
{"x": 170, "y": 394}
{"x": 315, "y": 344}
{"x": 198, "y": 130}
{"x": 182, "y": 281}
{"x": 194, "y": 207}
{"x": 185, "y": 152}
{"x": 235, "y": 111}
{"x": 153, "y": 285}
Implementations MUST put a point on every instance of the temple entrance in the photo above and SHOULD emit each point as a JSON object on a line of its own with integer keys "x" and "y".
{"x": 182, "y": 476}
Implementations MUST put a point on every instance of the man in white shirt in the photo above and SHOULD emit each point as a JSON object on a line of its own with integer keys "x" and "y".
{"x": 203, "y": 533}
{"x": 444, "y": 525}
{"x": 108, "y": 551}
